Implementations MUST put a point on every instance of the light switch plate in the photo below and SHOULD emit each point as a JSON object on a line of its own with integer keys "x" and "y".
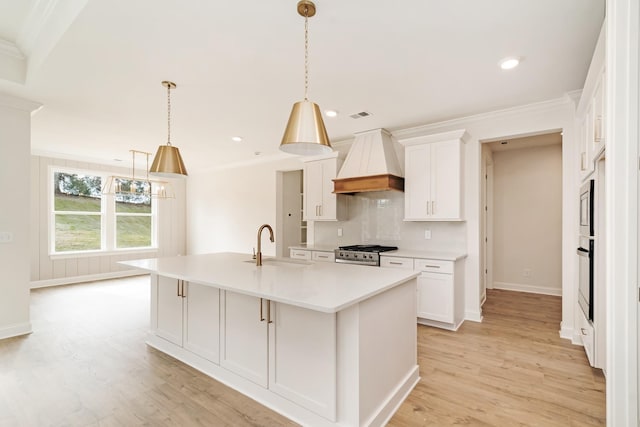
{"x": 427, "y": 234}
{"x": 339, "y": 232}
{"x": 6, "y": 237}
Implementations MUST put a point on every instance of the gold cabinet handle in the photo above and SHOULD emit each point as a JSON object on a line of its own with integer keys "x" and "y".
{"x": 269, "y": 320}
{"x": 178, "y": 288}
{"x": 183, "y": 292}
{"x": 261, "y": 315}
{"x": 433, "y": 207}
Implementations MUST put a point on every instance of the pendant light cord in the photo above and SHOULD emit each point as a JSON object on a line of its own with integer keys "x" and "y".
{"x": 306, "y": 53}
{"x": 169, "y": 114}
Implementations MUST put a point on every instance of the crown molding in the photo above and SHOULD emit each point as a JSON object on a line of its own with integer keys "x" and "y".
{"x": 463, "y": 122}
{"x": 34, "y": 24}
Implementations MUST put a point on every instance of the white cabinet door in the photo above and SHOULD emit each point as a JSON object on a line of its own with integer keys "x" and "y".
{"x": 169, "y": 309}
{"x": 446, "y": 180}
{"x": 302, "y": 357}
{"x": 202, "y": 321}
{"x": 313, "y": 190}
{"x": 243, "y": 336}
{"x": 417, "y": 185}
{"x": 433, "y": 181}
{"x": 435, "y": 297}
{"x": 320, "y": 203}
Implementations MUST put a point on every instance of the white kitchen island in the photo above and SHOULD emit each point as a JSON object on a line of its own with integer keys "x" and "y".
{"x": 323, "y": 344}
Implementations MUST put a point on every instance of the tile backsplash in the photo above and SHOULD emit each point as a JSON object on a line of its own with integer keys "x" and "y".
{"x": 377, "y": 218}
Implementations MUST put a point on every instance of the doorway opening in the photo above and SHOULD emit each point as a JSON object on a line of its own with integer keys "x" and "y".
{"x": 291, "y": 229}
{"x": 521, "y": 221}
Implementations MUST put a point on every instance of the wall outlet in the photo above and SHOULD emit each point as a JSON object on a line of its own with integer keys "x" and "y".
{"x": 427, "y": 234}
{"x": 6, "y": 237}
{"x": 339, "y": 232}
{"x": 526, "y": 272}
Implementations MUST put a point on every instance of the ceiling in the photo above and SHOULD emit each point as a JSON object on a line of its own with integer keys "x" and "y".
{"x": 97, "y": 67}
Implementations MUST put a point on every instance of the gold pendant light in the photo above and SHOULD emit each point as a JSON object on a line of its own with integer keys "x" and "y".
{"x": 168, "y": 162}
{"x": 305, "y": 133}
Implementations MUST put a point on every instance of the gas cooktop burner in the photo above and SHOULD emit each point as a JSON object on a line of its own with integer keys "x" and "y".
{"x": 361, "y": 254}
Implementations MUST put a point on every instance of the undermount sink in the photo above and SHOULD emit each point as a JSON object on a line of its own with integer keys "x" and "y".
{"x": 281, "y": 262}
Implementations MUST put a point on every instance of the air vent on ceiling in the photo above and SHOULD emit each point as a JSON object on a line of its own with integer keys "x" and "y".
{"x": 360, "y": 115}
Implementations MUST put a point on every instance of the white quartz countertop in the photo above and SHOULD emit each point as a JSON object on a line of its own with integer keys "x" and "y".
{"x": 320, "y": 286}
{"x": 444, "y": 256}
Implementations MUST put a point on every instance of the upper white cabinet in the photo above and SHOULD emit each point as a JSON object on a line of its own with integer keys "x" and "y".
{"x": 434, "y": 177}
{"x": 320, "y": 203}
{"x": 591, "y": 113}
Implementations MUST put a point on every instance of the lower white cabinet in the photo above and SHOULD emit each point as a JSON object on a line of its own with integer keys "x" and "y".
{"x": 187, "y": 314}
{"x": 440, "y": 290}
{"x": 311, "y": 255}
{"x": 586, "y": 332}
{"x": 266, "y": 343}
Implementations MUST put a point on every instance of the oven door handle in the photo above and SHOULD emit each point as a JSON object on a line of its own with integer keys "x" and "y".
{"x": 583, "y": 252}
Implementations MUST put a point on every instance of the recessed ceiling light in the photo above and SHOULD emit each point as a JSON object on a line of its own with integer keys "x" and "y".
{"x": 330, "y": 113}
{"x": 237, "y": 139}
{"x": 509, "y": 63}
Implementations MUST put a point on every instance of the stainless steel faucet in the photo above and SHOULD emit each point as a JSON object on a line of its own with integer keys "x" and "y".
{"x": 259, "y": 254}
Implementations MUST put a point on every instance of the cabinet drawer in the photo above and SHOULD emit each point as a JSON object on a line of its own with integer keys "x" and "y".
{"x": 434, "y": 266}
{"x": 323, "y": 256}
{"x": 586, "y": 331}
{"x": 300, "y": 254}
{"x": 396, "y": 262}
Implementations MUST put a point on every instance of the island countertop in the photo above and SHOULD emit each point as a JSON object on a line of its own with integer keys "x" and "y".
{"x": 320, "y": 286}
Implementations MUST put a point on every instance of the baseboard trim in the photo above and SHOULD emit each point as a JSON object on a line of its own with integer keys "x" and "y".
{"x": 15, "y": 330}
{"x": 566, "y": 333}
{"x": 519, "y": 287}
{"x": 86, "y": 278}
{"x": 474, "y": 316}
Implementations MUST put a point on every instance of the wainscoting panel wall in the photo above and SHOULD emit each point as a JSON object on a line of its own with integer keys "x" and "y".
{"x": 46, "y": 271}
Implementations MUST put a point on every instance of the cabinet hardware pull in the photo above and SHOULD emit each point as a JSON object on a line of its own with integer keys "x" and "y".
{"x": 395, "y": 263}
{"x": 583, "y": 330}
{"x": 433, "y": 207}
{"x": 323, "y": 256}
{"x": 184, "y": 295}
{"x": 432, "y": 266}
{"x": 269, "y": 312}
{"x": 261, "y": 315}
{"x": 178, "y": 288}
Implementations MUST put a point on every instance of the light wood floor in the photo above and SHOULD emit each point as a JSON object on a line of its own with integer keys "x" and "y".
{"x": 86, "y": 364}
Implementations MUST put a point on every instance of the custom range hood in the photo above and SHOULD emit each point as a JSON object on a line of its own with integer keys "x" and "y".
{"x": 371, "y": 165}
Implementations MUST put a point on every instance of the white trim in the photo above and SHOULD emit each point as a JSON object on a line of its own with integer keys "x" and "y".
{"x": 15, "y": 330}
{"x": 34, "y": 24}
{"x": 19, "y": 103}
{"x": 86, "y": 278}
{"x": 10, "y": 49}
{"x": 623, "y": 25}
{"x": 567, "y": 333}
{"x": 520, "y": 287}
{"x": 537, "y": 107}
{"x": 474, "y": 316}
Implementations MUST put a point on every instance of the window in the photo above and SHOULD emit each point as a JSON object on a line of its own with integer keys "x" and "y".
{"x": 77, "y": 212}
{"x": 133, "y": 214}
{"x": 84, "y": 220}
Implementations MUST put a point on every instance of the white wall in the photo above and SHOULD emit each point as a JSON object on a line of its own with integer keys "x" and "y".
{"x": 48, "y": 271}
{"x": 15, "y": 147}
{"x": 527, "y": 208}
{"x": 227, "y": 206}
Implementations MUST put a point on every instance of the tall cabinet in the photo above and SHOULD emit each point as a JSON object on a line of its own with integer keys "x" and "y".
{"x": 320, "y": 202}
{"x": 434, "y": 177}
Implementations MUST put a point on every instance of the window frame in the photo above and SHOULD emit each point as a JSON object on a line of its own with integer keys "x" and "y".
{"x": 108, "y": 217}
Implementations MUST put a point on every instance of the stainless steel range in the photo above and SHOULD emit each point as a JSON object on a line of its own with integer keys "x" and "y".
{"x": 361, "y": 254}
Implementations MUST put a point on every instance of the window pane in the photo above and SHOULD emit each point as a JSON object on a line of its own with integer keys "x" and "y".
{"x": 133, "y": 196}
{"x": 133, "y": 231}
{"x": 77, "y": 233}
{"x": 78, "y": 193}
